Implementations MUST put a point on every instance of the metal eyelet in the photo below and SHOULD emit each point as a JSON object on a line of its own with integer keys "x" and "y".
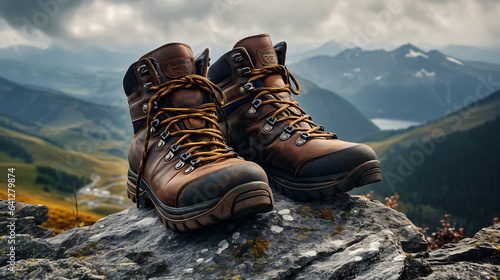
{"x": 185, "y": 157}
{"x": 182, "y": 161}
{"x": 243, "y": 71}
{"x": 155, "y": 107}
{"x": 154, "y": 124}
{"x": 180, "y": 164}
{"x": 161, "y": 144}
{"x": 302, "y": 139}
{"x": 285, "y": 135}
{"x": 192, "y": 166}
{"x": 164, "y": 135}
{"x": 269, "y": 124}
{"x": 143, "y": 70}
{"x": 147, "y": 86}
{"x": 189, "y": 169}
{"x": 237, "y": 57}
{"x": 169, "y": 156}
{"x": 173, "y": 149}
{"x": 231, "y": 150}
{"x": 255, "y": 105}
{"x": 321, "y": 128}
{"x": 145, "y": 108}
{"x": 246, "y": 88}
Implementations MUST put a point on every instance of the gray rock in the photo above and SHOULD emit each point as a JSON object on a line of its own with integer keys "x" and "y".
{"x": 28, "y": 218}
{"x": 470, "y": 258}
{"x": 347, "y": 237}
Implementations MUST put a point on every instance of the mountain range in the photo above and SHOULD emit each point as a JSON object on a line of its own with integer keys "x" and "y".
{"x": 405, "y": 84}
{"x": 333, "y": 48}
{"x": 87, "y": 58}
{"x": 102, "y": 87}
{"x": 462, "y": 52}
{"x": 57, "y": 109}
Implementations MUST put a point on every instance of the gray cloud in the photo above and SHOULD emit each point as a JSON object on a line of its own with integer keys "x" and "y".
{"x": 48, "y": 16}
{"x": 140, "y": 25}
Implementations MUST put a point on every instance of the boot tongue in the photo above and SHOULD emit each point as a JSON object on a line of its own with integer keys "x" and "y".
{"x": 261, "y": 50}
{"x": 176, "y": 60}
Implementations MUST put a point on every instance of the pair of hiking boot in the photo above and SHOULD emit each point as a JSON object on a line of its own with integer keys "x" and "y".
{"x": 208, "y": 142}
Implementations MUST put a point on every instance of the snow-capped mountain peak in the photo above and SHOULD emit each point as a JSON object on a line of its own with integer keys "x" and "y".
{"x": 413, "y": 54}
{"x": 424, "y": 73}
{"x": 454, "y": 60}
{"x": 405, "y": 83}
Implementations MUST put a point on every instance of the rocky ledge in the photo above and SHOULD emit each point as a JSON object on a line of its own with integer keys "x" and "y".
{"x": 348, "y": 237}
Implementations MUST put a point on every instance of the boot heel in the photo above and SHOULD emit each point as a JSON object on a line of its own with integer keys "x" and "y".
{"x": 144, "y": 200}
{"x": 131, "y": 191}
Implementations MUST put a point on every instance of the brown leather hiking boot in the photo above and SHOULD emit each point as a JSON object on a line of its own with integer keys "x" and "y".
{"x": 178, "y": 154}
{"x": 266, "y": 125}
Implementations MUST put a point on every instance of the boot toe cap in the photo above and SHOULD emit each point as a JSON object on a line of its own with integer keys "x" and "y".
{"x": 216, "y": 184}
{"x": 336, "y": 162}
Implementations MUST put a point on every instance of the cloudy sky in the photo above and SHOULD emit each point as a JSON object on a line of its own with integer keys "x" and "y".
{"x": 141, "y": 25}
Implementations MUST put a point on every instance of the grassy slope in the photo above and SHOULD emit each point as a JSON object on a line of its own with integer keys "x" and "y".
{"x": 44, "y": 153}
{"x": 77, "y": 137}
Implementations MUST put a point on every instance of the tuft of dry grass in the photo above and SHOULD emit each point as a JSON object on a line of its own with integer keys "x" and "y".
{"x": 61, "y": 213}
{"x": 63, "y": 219}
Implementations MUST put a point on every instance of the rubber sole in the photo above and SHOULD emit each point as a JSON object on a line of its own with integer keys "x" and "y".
{"x": 244, "y": 200}
{"x": 366, "y": 173}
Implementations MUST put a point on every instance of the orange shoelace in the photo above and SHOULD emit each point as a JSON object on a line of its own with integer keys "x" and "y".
{"x": 206, "y": 112}
{"x": 315, "y": 130}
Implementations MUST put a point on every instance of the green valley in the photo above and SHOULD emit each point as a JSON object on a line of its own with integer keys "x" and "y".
{"x": 56, "y": 142}
{"x": 447, "y": 166}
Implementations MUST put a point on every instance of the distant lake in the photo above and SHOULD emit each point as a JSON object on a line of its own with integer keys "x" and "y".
{"x": 386, "y": 124}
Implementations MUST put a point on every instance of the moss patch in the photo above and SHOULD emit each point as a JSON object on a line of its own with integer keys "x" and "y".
{"x": 310, "y": 212}
{"x": 255, "y": 247}
{"x": 84, "y": 250}
{"x": 305, "y": 231}
{"x": 338, "y": 230}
